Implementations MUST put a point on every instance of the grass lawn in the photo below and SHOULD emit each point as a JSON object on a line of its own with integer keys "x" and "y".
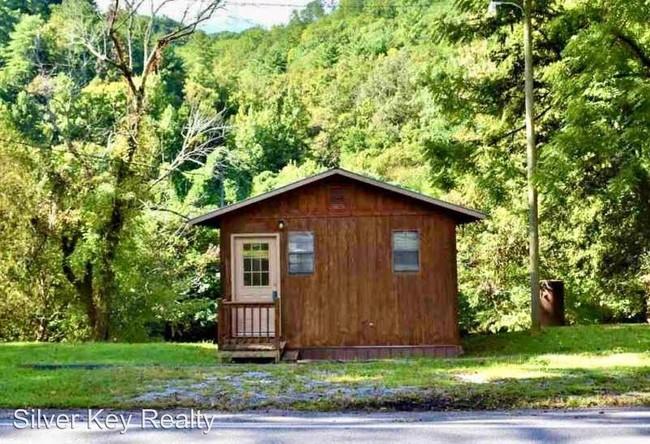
{"x": 562, "y": 367}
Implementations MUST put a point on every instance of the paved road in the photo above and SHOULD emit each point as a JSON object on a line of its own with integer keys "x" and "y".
{"x": 608, "y": 426}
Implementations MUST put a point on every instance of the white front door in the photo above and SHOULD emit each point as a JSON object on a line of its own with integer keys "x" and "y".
{"x": 256, "y": 278}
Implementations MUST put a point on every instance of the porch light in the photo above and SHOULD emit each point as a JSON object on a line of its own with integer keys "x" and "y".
{"x": 281, "y": 224}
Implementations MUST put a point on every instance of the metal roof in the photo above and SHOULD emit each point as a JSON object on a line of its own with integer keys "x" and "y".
{"x": 461, "y": 214}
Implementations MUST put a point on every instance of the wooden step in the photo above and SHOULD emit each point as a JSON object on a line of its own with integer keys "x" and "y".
{"x": 252, "y": 354}
{"x": 234, "y": 352}
{"x": 252, "y": 346}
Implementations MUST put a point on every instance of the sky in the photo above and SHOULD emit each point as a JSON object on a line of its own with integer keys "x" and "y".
{"x": 234, "y": 15}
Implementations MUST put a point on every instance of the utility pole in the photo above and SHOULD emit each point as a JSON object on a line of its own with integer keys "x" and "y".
{"x": 531, "y": 158}
{"x": 531, "y": 161}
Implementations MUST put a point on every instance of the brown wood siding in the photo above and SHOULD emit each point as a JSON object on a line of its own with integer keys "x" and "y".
{"x": 380, "y": 352}
{"x": 354, "y": 298}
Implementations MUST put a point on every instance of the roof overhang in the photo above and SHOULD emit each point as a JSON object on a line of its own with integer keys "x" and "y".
{"x": 461, "y": 214}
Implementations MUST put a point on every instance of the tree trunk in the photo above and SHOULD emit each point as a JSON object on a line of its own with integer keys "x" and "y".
{"x": 107, "y": 287}
{"x": 85, "y": 289}
{"x": 98, "y": 318}
{"x": 42, "y": 332}
{"x": 645, "y": 301}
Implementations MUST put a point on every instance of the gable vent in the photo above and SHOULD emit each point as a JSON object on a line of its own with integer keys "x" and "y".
{"x": 337, "y": 197}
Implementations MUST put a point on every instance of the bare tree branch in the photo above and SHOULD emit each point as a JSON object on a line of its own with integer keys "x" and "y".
{"x": 205, "y": 11}
{"x": 124, "y": 13}
{"x": 122, "y": 63}
{"x": 201, "y": 136}
{"x": 167, "y": 210}
{"x": 153, "y": 15}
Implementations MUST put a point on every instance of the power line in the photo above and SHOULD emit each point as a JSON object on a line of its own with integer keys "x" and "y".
{"x": 284, "y": 5}
{"x": 332, "y": 5}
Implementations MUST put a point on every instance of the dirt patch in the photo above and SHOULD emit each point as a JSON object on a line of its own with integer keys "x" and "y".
{"x": 67, "y": 366}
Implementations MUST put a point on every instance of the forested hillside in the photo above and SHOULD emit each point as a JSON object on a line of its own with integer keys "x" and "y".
{"x": 423, "y": 93}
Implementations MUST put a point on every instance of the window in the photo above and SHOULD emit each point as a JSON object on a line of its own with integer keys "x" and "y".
{"x": 256, "y": 264}
{"x": 301, "y": 253}
{"x": 406, "y": 251}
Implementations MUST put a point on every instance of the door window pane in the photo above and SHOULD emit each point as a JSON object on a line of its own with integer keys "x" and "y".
{"x": 256, "y": 264}
{"x": 406, "y": 251}
{"x": 301, "y": 252}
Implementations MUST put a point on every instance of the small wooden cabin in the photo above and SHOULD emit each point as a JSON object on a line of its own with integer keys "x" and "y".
{"x": 338, "y": 266}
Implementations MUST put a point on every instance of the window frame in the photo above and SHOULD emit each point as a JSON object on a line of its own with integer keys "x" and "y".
{"x": 253, "y": 272}
{"x": 392, "y": 251}
{"x": 312, "y": 252}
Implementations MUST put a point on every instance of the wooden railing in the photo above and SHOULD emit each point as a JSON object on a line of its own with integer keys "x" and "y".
{"x": 249, "y": 323}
